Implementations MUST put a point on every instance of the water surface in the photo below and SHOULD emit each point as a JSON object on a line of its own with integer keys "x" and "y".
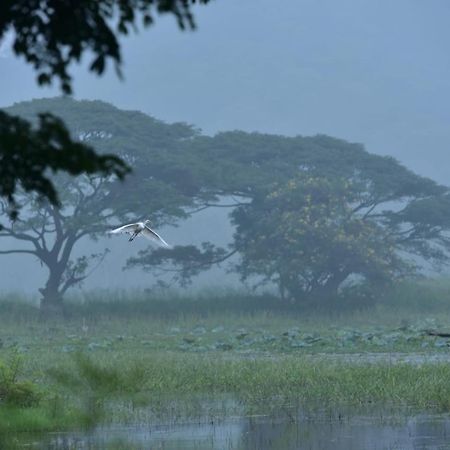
{"x": 337, "y": 431}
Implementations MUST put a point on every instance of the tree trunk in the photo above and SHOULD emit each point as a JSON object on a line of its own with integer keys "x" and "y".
{"x": 282, "y": 287}
{"x": 319, "y": 295}
{"x": 51, "y": 304}
{"x": 330, "y": 289}
{"x": 51, "y": 301}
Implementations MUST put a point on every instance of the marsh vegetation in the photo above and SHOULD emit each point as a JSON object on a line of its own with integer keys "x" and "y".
{"x": 158, "y": 358}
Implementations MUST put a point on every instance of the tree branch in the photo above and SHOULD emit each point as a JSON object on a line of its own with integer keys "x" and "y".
{"x": 216, "y": 205}
{"x": 21, "y": 237}
{"x": 211, "y": 262}
{"x": 8, "y": 252}
{"x": 71, "y": 282}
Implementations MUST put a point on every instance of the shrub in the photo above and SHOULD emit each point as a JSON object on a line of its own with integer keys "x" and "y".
{"x": 15, "y": 392}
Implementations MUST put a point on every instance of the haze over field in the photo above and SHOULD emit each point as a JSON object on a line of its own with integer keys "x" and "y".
{"x": 369, "y": 72}
{"x": 375, "y": 72}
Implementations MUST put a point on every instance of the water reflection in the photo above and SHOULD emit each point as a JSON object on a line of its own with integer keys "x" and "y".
{"x": 317, "y": 431}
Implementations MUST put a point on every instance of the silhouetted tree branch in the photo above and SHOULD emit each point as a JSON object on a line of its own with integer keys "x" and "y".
{"x": 184, "y": 262}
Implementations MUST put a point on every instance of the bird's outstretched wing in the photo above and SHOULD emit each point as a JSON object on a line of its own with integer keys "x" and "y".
{"x": 154, "y": 236}
{"x": 130, "y": 229}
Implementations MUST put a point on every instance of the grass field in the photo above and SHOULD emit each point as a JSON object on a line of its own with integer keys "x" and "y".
{"x": 139, "y": 357}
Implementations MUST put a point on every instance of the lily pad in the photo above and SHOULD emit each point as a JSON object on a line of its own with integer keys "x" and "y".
{"x": 225, "y": 346}
{"x": 199, "y": 331}
{"x": 300, "y": 344}
{"x": 242, "y": 335}
{"x": 94, "y": 346}
{"x": 440, "y": 343}
{"x": 218, "y": 329}
{"x": 68, "y": 348}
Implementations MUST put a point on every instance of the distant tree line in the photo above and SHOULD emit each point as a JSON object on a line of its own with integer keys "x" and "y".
{"x": 310, "y": 214}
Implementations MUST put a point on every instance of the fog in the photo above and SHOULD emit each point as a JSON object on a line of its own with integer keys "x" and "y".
{"x": 369, "y": 72}
{"x": 24, "y": 274}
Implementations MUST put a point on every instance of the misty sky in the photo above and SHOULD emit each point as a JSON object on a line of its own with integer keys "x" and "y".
{"x": 376, "y": 72}
{"x": 370, "y": 71}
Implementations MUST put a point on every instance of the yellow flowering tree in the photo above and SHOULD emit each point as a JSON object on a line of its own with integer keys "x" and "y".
{"x": 307, "y": 237}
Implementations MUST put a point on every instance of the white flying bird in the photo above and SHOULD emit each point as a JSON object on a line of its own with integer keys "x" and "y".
{"x": 143, "y": 229}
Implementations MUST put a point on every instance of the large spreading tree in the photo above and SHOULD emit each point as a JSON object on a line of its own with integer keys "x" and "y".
{"x": 311, "y": 214}
{"x": 160, "y": 188}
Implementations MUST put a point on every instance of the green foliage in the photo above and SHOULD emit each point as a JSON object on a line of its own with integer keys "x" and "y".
{"x": 306, "y": 237}
{"x": 26, "y": 155}
{"x": 51, "y": 35}
{"x": 33, "y": 419}
{"x": 292, "y": 380}
{"x": 312, "y": 214}
{"x": 246, "y": 163}
{"x": 88, "y": 377}
{"x": 14, "y": 392}
{"x": 95, "y": 384}
{"x": 151, "y": 147}
{"x": 311, "y": 234}
{"x": 191, "y": 258}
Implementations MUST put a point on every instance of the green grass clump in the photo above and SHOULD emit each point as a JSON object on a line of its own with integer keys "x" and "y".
{"x": 289, "y": 380}
{"x": 13, "y": 391}
{"x": 257, "y": 383}
{"x": 36, "y": 419}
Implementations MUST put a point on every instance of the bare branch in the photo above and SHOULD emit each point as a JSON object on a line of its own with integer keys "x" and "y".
{"x": 96, "y": 184}
{"x": 9, "y": 252}
{"x": 71, "y": 282}
{"x": 205, "y": 264}
{"x": 367, "y": 213}
{"x": 9, "y": 232}
{"x": 216, "y": 205}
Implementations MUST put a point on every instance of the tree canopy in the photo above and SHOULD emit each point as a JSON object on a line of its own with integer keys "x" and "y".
{"x": 51, "y": 35}
{"x": 158, "y": 188}
{"x": 312, "y": 213}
